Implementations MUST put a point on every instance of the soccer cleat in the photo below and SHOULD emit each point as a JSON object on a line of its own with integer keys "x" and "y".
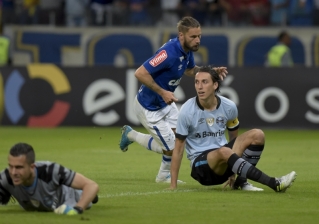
{"x": 249, "y": 187}
{"x": 95, "y": 200}
{"x": 285, "y": 182}
{"x": 167, "y": 179}
{"x": 125, "y": 142}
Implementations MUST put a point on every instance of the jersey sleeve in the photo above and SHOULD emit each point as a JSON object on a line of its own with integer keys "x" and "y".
{"x": 161, "y": 60}
{"x": 233, "y": 122}
{"x": 62, "y": 175}
{"x": 4, "y": 183}
{"x": 182, "y": 127}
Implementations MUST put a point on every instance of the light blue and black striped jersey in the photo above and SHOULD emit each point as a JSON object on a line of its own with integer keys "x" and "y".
{"x": 205, "y": 129}
{"x": 166, "y": 67}
{"x": 50, "y": 189}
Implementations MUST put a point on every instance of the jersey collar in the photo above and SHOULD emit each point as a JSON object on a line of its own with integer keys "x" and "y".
{"x": 180, "y": 46}
{"x": 202, "y": 108}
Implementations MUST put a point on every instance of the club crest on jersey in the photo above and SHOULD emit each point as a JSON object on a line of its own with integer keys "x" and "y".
{"x": 159, "y": 58}
{"x": 35, "y": 203}
{"x": 210, "y": 121}
{"x": 221, "y": 122}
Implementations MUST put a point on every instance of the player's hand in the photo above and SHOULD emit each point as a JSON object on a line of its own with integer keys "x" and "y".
{"x": 222, "y": 72}
{"x": 230, "y": 182}
{"x": 65, "y": 210}
{"x": 169, "y": 97}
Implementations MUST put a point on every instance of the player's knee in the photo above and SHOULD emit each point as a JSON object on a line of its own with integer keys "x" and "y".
{"x": 258, "y": 137}
{"x": 224, "y": 153}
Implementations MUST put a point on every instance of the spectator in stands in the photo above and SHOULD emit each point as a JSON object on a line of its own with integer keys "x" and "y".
{"x": 196, "y": 9}
{"x": 316, "y": 13}
{"x": 214, "y": 13}
{"x": 278, "y": 13}
{"x": 138, "y": 12}
{"x": 101, "y": 12}
{"x": 120, "y": 12}
{"x": 237, "y": 12}
{"x": 8, "y": 11}
{"x": 30, "y": 12}
{"x": 75, "y": 12}
{"x": 52, "y": 12}
{"x": 170, "y": 10}
{"x": 280, "y": 55}
{"x": 300, "y": 12}
{"x": 259, "y": 11}
{"x": 4, "y": 49}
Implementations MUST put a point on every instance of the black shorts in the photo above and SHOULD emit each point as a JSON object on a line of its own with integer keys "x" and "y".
{"x": 202, "y": 172}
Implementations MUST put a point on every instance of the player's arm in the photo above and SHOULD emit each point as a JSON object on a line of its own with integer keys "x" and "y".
{"x": 89, "y": 188}
{"x": 144, "y": 77}
{"x": 222, "y": 71}
{"x": 176, "y": 160}
{"x": 232, "y": 134}
{"x": 4, "y": 193}
{"x": 191, "y": 71}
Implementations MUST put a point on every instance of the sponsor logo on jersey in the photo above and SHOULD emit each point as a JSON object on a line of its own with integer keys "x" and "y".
{"x": 180, "y": 67}
{"x": 221, "y": 122}
{"x": 35, "y": 203}
{"x": 205, "y": 134}
{"x": 174, "y": 82}
{"x": 210, "y": 121}
{"x": 181, "y": 58}
{"x": 159, "y": 58}
{"x": 201, "y": 120}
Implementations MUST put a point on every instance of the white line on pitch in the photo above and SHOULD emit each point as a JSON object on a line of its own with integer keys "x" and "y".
{"x": 124, "y": 194}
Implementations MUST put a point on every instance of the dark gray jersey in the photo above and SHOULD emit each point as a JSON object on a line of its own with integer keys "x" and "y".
{"x": 51, "y": 188}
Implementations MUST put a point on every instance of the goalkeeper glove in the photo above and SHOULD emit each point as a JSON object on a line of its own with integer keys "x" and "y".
{"x": 68, "y": 210}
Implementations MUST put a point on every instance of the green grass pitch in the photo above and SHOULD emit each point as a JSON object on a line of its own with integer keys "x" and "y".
{"x": 129, "y": 194}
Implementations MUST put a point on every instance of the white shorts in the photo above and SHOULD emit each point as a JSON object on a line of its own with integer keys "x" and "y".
{"x": 159, "y": 123}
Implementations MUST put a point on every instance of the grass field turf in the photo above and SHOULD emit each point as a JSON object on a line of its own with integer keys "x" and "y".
{"x": 129, "y": 194}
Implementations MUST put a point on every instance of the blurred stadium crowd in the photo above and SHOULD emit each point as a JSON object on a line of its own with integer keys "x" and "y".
{"x": 226, "y": 13}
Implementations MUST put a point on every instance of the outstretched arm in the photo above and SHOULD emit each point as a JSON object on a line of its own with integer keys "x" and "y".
{"x": 176, "y": 161}
{"x": 222, "y": 71}
{"x": 89, "y": 188}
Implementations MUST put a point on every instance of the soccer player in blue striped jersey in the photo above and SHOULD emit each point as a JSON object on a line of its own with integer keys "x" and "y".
{"x": 154, "y": 105}
{"x": 44, "y": 186}
{"x": 201, "y": 128}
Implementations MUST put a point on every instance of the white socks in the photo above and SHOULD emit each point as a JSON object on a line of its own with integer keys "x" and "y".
{"x": 165, "y": 168}
{"x": 145, "y": 140}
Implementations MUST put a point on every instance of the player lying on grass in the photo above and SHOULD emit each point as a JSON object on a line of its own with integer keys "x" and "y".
{"x": 201, "y": 127}
{"x": 44, "y": 186}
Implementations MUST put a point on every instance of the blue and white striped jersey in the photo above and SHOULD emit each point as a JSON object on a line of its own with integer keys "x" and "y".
{"x": 51, "y": 188}
{"x": 166, "y": 67}
{"x": 204, "y": 129}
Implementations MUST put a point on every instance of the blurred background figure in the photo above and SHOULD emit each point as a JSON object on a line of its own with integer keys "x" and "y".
{"x": 300, "y": 12}
{"x": 76, "y": 12}
{"x": 237, "y": 12}
{"x": 196, "y": 9}
{"x": 280, "y": 55}
{"x": 29, "y": 12}
{"x": 8, "y": 11}
{"x": 279, "y": 12}
{"x": 120, "y": 12}
{"x": 138, "y": 13}
{"x": 52, "y": 12}
{"x": 316, "y": 13}
{"x": 170, "y": 10}
{"x": 259, "y": 11}
{"x": 215, "y": 12}
{"x": 4, "y": 48}
{"x": 101, "y": 12}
